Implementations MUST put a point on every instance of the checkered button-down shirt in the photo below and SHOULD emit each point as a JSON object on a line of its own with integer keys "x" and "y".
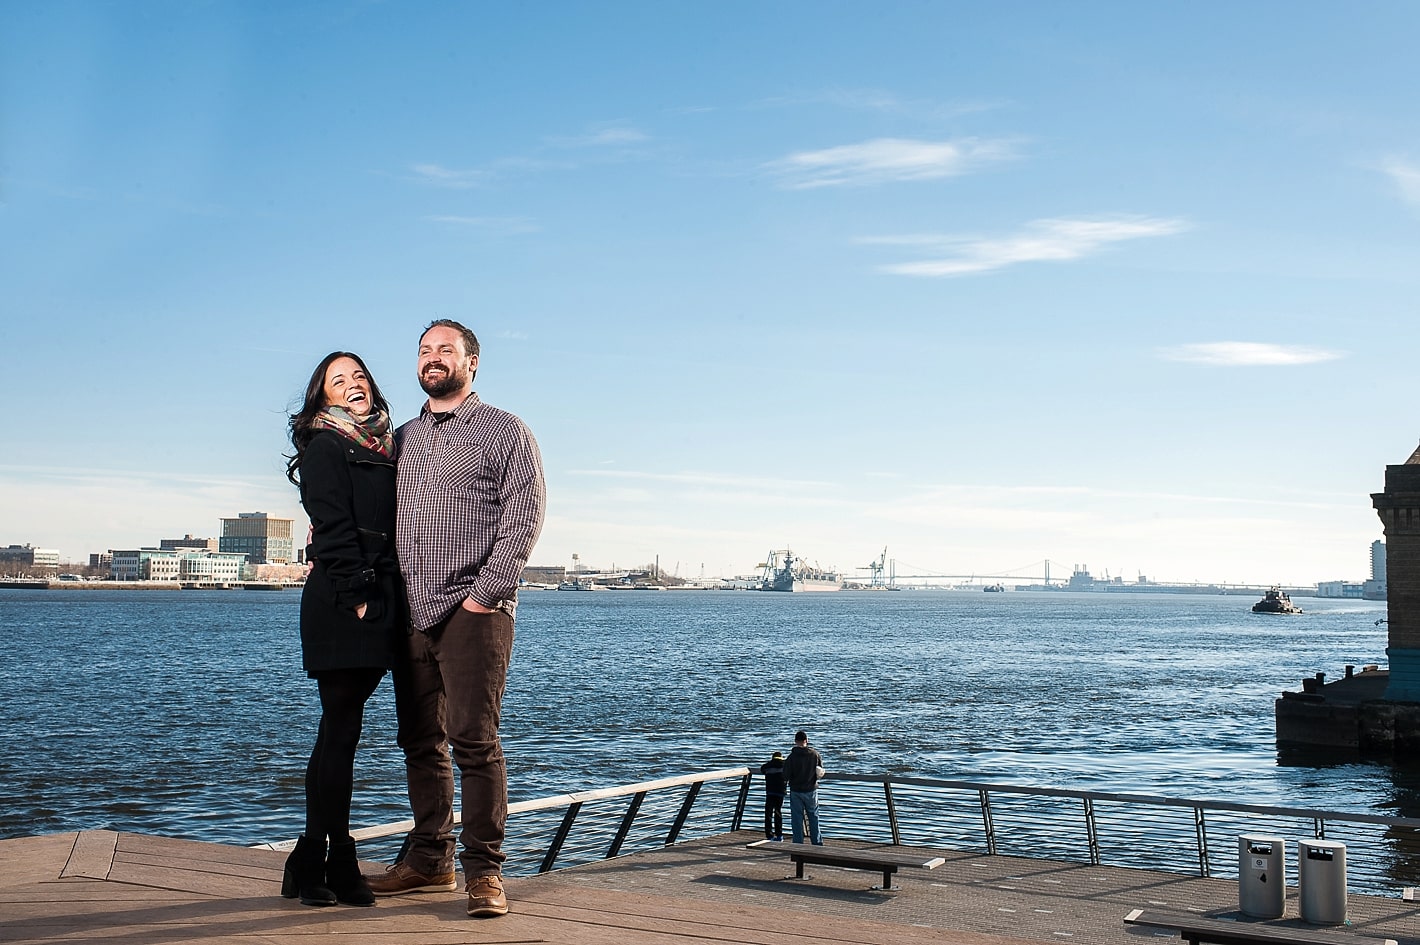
{"x": 471, "y": 500}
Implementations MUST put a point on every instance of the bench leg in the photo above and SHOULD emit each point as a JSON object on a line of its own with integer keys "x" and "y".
{"x": 798, "y": 869}
{"x": 887, "y": 878}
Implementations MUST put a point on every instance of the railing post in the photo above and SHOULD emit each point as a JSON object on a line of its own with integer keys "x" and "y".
{"x": 1200, "y": 830}
{"x": 986, "y": 823}
{"x": 740, "y": 804}
{"x": 891, "y": 811}
{"x": 1319, "y": 828}
{"x": 626, "y": 822}
{"x": 562, "y": 831}
{"x": 684, "y": 814}
{"x": 1092, "y": 832}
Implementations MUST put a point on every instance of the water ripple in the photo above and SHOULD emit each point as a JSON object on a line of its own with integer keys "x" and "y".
{"x": 187, "y": 713}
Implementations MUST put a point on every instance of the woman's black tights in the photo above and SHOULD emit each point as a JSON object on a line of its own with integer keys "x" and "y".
{"x": 330, "y": 774}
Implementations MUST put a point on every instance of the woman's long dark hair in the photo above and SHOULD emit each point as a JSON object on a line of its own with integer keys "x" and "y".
{"x": 301, "y": 429}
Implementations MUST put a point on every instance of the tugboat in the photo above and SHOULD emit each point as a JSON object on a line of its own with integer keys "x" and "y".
{"x": 1275, "y": 601}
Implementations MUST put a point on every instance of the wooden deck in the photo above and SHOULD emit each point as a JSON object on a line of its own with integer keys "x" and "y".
{"x": 136, "y": 889}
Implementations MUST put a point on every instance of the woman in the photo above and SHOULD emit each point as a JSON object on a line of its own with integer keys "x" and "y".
{"x": 350, "y": 609}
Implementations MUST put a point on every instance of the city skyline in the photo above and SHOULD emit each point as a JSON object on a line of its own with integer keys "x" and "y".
{"x": 1112, "y": 285}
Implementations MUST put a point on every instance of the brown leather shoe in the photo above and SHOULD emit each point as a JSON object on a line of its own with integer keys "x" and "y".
{"x": 485, "y": 897}
{"x": 402, "y": 878}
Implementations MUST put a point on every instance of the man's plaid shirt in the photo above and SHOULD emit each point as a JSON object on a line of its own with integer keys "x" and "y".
{"x": 471, "y": 501}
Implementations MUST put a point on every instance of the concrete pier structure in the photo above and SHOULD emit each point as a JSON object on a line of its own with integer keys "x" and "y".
{"x": 1376, "y": 712}
{"x": 1399, "y": 509}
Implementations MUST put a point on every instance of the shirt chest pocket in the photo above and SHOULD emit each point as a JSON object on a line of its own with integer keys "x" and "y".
{"x": 463, "y": 469}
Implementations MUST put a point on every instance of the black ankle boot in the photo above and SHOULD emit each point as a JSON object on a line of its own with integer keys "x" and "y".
{"x": 342, "y": 875}
{"x": 305, "y": 874}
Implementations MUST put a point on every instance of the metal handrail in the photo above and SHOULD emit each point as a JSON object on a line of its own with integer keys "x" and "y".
{"x": 1102, "y": 827}
{"x": 1151, "y": 799}
{"x": 574, "y": 804}
{"x": 1096, "y": 827}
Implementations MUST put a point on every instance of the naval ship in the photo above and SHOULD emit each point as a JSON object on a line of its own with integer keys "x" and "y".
{"x": 781, "y": 571}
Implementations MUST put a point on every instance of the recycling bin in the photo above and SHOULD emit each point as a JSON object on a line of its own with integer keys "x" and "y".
{"x": 1262, "y": 876}
{"x": 1321, "y": 881}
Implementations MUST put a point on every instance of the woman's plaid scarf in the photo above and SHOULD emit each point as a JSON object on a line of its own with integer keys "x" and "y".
{"x": 371, "y": 431}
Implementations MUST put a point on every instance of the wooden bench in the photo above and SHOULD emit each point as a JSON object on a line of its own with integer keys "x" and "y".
{"x": 886, "y": 861}
{"x": 1196, "y": 928}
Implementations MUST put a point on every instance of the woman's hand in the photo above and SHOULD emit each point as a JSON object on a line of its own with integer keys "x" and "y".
{"x": 474, "y": 607}
{"x": 360, "y": 610}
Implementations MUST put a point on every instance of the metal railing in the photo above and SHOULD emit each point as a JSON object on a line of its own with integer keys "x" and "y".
{"x": 541, "y": 832}
{"x": 1108, "y": 829}
{"x": 1094, "y": 827}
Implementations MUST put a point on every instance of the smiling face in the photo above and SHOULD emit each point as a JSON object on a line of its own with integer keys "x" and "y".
{"x": 445, "y": 368}
{"x": 346, "y": 385}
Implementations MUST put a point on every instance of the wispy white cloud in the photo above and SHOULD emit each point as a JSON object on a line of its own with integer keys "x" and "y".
{"x": 441, "y": 176}
{"x": 886, "y": 160}
{"x": 1050, "y": 240}
{"x": 500, "y": 224}
{"x": 884, "y": 102}
{"x": 612, "y": 141}
{"x": 1406, "y": 176}
{"x": 1248, "y": 354}
{"x": 607, "y": 134}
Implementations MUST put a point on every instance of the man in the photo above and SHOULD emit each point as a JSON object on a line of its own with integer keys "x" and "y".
{"x": 471, "y": 500}
{"x": 802, "y": 769}
{"x": 773, "y": 771}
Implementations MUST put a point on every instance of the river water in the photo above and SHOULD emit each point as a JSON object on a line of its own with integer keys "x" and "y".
{"x": 186, "y": 713}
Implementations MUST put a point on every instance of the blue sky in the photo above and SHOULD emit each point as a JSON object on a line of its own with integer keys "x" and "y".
{"x": 1125, "y": 285}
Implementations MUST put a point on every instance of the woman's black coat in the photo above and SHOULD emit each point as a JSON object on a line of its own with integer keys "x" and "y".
{"x": 348, "y": 492}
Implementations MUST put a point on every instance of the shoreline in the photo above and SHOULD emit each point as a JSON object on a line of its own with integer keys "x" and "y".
{"x": 41, "y": 585}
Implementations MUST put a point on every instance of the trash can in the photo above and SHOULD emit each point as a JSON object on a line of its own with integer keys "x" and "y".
{"x": 1321, "y": 881}
{"x": 1262, "y": 876}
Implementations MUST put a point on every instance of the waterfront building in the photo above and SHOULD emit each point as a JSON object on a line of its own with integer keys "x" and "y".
{"x": 263, "y": 539}
{"x": 210, "y": 566}
{"x": 28, "y": 556}
{"x": 1375, "y": 588}
{"x": 187, "y": 541}
{"x": 145, "y": 564}
{"x": 101, "y": 559}
{"x": 169, "y": 564}
{"x": 1345, "y": 589}
{"x": 545, "y": 574}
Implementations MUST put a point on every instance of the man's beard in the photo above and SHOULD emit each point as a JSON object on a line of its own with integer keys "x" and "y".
{"x": 450, "y": 383}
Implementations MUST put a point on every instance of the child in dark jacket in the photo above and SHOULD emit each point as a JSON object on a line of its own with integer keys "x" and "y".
{"x": 774, "y": 787}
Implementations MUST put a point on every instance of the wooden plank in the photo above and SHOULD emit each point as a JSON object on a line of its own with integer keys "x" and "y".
{"x": 124, "y": 862}
{"x": 614, "y": 919}
{"x": 27, "y": 859}
{"x": 1197, "y": 928}
{"x": 720, "y": 921}
{"x": 705, "y": 892}
{"x": 179, "y": 849}
{"x": 200, "y": 882}
{"x": 92, "y": 856}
